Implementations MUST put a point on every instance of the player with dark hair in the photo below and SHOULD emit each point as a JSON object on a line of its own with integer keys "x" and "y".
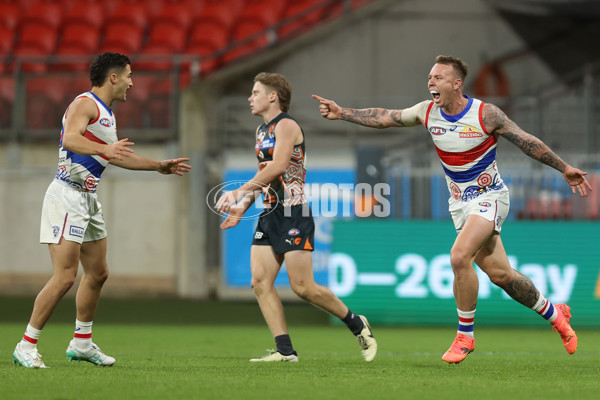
{"x": 72, "y": 223}
{"x": 285, "y": 230}
{"x": 465, "y": 132}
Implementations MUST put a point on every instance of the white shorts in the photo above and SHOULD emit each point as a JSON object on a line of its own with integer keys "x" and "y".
{"x": 492, "y": 205}
{"x": 72, "y": 214}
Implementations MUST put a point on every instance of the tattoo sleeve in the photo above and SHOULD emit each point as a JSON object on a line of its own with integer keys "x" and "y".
{"x": 373, "y": 117}
{"x": 495, "y": 119}
{"x": 522, "y": 290}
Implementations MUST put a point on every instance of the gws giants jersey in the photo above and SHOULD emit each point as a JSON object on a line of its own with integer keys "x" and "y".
{"x": 467, "y": 151}
{"x": 287, "y": 188}
{"x": 83, "y": 172}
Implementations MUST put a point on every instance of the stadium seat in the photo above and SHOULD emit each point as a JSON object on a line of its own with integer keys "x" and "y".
{"x": 170, "y": 36}
{"x": 77, "y": 44}
{"x": 86, "y": 12}
{"x": 7, "y": 99}
{"x": 300, "y": 16}
{"x": 219, "y": 12}
{"x": 177, "y": 13}
{"x": 207, "y": 41}
{"x": 128, "y": 13}
{"x": 6, "y": 40}
{"x": 37, "y": 42}
{"x": 42, "y": 97}
{"x": 256, "y": 17}
{"x": 154, "y": 57}
{"x": 122, "y": 38}
{"x": 10, "y": 14}
{"x": 44, "y": 12}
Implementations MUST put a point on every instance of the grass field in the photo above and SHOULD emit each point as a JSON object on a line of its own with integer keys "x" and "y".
{"x": 187, "y": 350}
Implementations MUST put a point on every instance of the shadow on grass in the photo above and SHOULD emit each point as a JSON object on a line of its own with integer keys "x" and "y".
{"x": 165, "y": 311}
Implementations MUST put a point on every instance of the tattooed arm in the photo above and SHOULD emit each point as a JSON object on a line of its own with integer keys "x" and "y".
{"x": 372, "y": 117}
{"x": 496, "y": 121}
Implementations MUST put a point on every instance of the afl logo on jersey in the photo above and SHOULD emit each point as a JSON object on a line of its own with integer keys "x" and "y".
{"x": 436, "y": 130}
{"x": 294, "y": 232}
{"x": 105, "y": 122}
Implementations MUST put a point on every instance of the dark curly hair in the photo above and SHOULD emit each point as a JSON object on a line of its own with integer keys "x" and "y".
{"x": 105, "y": 63}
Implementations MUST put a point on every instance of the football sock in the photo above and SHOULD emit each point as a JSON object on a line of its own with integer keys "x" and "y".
{"x": 465, "y": 322}
{"x": 30, "y": 337}
{"x": 545, "y": 308}
{"x": 353, "y": 323}
{"x": 284, "y": 345}
{"x": 83, "y": 334}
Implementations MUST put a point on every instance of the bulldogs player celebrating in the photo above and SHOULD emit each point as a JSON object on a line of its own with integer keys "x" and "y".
{"x": 72, "y": 223}
{"x": 465, "y": 132}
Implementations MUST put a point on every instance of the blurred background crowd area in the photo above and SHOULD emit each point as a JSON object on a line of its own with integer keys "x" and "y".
{"x": 194, "y": 62}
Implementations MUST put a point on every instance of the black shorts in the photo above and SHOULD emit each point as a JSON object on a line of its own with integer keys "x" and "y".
{"x": 286, "y": 228}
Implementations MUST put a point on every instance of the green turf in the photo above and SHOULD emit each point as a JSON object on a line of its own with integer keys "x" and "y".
{"x": 204, "y": 355}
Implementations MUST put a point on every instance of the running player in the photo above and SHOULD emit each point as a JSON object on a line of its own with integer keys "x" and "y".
{"x": 285, "y": 230}
{"x": 465, "y": 133}
{"x": 72, "y": 224}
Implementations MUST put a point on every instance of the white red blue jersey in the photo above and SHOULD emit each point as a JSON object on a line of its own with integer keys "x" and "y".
{"x": 467, "y": 151}
{"x": 83, "y": 172}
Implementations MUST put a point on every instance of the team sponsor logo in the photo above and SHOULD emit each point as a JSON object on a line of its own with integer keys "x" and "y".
{"x": 289, "y": 241}
{"x": 485, "y": 204}
{"x": 268, "y": 144}
{"x": 258, "y": 235}
{"x": 484, "y": 180}
{"x": 482, "y": 210}
{"x": 297, "y": 241}
{"x": 436, "y": 130}
{"x": 454, "y": 191}
{"x": 470, "y": 132}
{"x": 105, "y": 122}
{"x": 498, "y": 221}
{"x": 90, "y": 183}
{"x": 294, "y": 232}
{"x": 55, "y": 231}
{"x": 76, "y": 231}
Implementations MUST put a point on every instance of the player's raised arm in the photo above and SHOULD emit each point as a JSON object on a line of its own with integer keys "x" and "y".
{"x": 372, "y": 117}
{"x": 496, "y": 121}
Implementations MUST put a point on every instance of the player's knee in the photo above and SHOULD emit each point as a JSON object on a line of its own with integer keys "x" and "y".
{"x": 459, "y": 259}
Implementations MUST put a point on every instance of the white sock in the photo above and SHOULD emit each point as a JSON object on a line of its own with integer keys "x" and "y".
{"x": 83, "y": 334}
{"x": 545, "y": 308}
{"x": 465, "y": 322}
{"x": 30, "y": 337}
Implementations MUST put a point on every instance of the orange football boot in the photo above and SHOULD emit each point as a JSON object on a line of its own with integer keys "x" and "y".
{"x": 562, "y": 326}
{"x": 461, "y": 347}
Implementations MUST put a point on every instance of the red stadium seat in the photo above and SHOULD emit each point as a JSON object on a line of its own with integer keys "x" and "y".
{"x": 42, "y": 97}
{"x": 206, "y": 41}
{"x": 47, "y": 13}
{"x": 155, "y": 57}
{"x": 302, "y": 15}
{"x": 6, "y": 40}
{"x": 36, "y": 42}
{"x": 86, "y": 12}
{"x": 85, "y": 37}
{"x": 251, "y": 28}
{"x": 168, "y": 35}
{"x": 7, "y": 100}
{"x": 10, "y": 14}
{"x": 178, "y": 14}
{"x": 219, "y": 12}
{"x": 122, "y": 38}
{"x": 133, "y": 13}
